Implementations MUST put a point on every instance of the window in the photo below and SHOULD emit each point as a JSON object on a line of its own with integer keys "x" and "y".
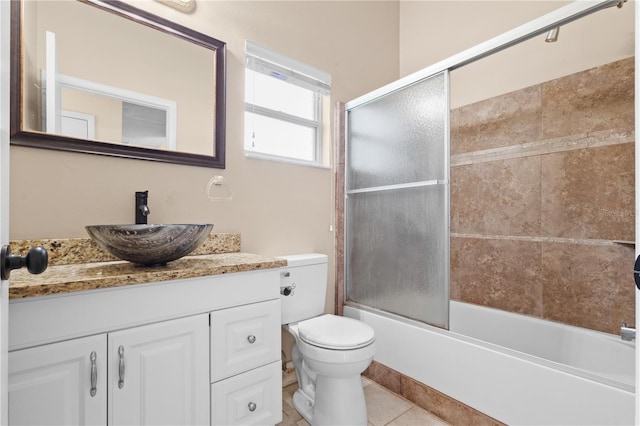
{"x": 283, "y": 107}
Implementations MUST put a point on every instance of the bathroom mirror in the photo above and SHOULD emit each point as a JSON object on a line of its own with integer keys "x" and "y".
{"x": 104, "y": 77}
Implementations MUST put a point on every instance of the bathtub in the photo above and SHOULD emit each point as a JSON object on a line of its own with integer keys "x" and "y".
{"x": 517, "y": 369}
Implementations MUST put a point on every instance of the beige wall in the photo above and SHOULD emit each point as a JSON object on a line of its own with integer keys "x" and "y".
{"x": 433, "y": 31}
{"x": 278, "y": 208}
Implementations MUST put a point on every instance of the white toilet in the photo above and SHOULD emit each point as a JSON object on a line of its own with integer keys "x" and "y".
{"x": 330, "y": 351}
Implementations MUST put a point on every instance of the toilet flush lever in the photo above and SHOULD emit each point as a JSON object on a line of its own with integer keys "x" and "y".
{"x": 288, "y": 290}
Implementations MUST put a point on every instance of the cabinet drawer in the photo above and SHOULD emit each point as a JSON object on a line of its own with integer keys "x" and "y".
{"x": 251, "y": 398}
{"x": 244, "y": 337}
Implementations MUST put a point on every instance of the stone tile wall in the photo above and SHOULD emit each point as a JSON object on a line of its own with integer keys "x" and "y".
{"x": 542, "y": 193}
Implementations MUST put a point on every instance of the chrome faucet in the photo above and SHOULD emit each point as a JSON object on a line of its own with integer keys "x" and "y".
{"x": 142, "y": 209}
{"x": 627, "y": 333}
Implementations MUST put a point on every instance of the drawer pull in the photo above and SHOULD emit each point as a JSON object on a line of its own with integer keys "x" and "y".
{"x": 121, "y": 367}
{"x": 252, "y": 339}
{"x": 252, "y": 406}
{"x": 94, "y": 374}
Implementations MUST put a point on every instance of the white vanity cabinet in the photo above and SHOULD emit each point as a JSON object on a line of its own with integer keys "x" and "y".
{"x": 178, "y": 352}
{"x": 157, "y": 374}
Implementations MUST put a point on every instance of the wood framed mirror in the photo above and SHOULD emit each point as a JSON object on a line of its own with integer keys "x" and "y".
{"x": 104, "y": 77}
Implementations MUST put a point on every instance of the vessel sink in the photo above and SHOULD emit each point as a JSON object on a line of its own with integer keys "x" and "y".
{"x": 149, "y": 245}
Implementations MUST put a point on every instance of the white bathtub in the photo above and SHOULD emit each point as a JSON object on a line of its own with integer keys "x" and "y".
{"x": 517, "y": 369}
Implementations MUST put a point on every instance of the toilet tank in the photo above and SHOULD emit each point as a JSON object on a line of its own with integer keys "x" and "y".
{"x": 306, "y": 275}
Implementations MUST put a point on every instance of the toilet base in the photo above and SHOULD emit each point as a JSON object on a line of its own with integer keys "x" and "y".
{"x": 303, "y": 405}
{"x": 337, "y": 402}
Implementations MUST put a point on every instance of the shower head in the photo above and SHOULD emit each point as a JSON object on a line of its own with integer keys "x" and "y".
{"x": 552, "y": 35}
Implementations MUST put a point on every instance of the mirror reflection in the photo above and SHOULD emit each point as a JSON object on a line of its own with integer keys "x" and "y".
{"x": 93, "y": 77}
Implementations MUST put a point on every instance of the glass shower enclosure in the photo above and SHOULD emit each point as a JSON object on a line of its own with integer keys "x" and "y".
{"x": 397, "y": 202}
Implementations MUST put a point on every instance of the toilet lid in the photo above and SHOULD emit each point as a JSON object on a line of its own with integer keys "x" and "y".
{"x": 334, "y": 332}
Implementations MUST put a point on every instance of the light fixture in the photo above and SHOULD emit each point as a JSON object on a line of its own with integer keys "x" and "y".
{"x": 186, "y": 6}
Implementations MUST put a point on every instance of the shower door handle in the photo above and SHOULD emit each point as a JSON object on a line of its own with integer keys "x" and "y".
{"x": 636, "y": 272}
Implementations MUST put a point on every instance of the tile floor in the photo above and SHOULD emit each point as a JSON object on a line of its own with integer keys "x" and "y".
{"x": 384, "y": 408}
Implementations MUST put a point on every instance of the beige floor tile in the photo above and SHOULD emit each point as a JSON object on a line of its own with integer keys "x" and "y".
{"x": 383, "y": 406}
{"x": 366, "y": 382}
{"x": 418, "y": 416}
{"x": 290, "y": 412}
{"x": 290, "y": 388}
{"x": 287, "y": 421}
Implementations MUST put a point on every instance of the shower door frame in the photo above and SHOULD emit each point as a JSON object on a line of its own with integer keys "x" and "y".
{"x": 637, "y": 193}
{"x": 564, "y": 15}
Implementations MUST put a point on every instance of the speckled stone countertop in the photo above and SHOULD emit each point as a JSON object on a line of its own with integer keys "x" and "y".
{"x": 77, "y": 264}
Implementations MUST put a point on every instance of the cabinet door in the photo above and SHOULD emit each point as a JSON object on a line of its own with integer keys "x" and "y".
{"x": 59, "y": 384}
{"x": 159, "y": 373}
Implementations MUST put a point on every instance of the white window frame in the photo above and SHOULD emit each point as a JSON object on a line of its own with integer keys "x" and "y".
{"x": 124, "y": 95}
{"x": 264, "y": 61}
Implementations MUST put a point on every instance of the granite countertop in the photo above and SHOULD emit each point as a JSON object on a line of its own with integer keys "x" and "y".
{"x": 78, "y": 265}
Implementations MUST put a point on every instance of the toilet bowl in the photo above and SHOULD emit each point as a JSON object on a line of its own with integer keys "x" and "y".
{"x": 330, "y": 351}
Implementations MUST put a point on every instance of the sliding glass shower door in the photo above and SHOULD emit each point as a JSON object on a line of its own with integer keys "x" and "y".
{"x": 397, "y": 206}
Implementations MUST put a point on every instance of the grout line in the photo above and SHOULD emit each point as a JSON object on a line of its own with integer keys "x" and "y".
{"x": 593, "y": 242}
{"x": 546, "y": 146}
{"x": 400, "y": 415}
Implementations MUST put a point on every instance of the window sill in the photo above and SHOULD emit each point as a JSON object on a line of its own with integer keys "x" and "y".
{"x": 261, "y": 156}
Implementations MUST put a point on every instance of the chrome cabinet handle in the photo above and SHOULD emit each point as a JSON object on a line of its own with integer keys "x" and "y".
{"x": 252, "y": 406}
{"x": 94, "y": 374}
{"x": 251, "y": 338}
{"x": 121, "y": 367}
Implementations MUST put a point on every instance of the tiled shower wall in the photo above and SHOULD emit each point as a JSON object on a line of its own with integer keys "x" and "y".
{"x": 542, "y": 199}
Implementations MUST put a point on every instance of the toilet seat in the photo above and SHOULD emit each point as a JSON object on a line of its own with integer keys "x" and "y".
{"x": 334, "y": 332}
